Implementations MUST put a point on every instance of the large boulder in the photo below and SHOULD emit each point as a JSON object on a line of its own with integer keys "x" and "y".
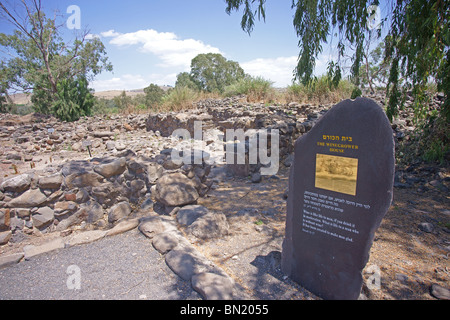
{"x": 119, "y": 211}
{"x": 17, "y": 184}
{"x": 208, "y": 226}
{"x": 188, "y": 214}
{"x": 86, "y": 179}
{"x": 51, "y": 182}
{"x": 43, "y": 217}
{"x": 29, "y": 199}
{"x": 175, "y": 189}
{"x": 112, "y": 168}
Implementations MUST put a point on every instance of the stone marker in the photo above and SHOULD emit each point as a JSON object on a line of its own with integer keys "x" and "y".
{"x": 340, "y": 188}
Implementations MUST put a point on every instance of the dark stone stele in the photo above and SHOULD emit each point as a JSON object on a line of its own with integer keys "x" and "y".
{"x": 340, "y": 188}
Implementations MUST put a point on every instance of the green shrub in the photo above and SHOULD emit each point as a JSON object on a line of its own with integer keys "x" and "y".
{"x": 74, "y": 100}
{"x": 255, "y": 88}
{"x": 320, "y": 91}
{"x": 179, "y": 98}
{"x": 153, "y": 95}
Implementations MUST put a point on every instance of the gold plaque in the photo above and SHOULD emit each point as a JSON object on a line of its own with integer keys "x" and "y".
{"x": 336, "y": 173}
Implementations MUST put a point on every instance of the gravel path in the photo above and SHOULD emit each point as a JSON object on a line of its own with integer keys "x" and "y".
{"x": 124, "y": 266}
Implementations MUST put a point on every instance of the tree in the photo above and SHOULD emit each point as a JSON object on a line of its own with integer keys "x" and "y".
{"x": 417, "y": 46}
{"x": 375, "y": 67}
{"x": 75, "y": 100}
{"x": 153, "y": 95}
{"x": 212, "y": 72}
{"x": 418, "y": 40}
{"x": 37, "y": 59}
{"x": 184, "y": 79}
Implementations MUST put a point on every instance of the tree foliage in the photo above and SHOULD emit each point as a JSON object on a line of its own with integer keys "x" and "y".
{"x": 211, "y": 72}
{"x": 74, "y": 100}
{"x": 153, "y": 95}
{"x": 417, "y": 43}
{"x": 416, "y": 50}
{"x": 37, "y": 59}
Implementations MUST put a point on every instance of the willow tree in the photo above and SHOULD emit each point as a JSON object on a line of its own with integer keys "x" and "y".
{"x": 417, "y": 44}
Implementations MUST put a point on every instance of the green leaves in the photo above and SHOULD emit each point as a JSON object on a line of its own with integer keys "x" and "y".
{"x": 38, "y": 61}
{"x": 248, "y": 16}
{"x": 211, "y": 72}
{"x": 74, "y": 99}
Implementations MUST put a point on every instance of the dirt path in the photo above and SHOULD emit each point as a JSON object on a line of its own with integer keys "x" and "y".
{"x": 410, "y": 260}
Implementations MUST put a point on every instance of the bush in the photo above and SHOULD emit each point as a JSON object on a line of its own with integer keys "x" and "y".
{"x": 74, "y": 100}
{"x": 320, "y": 91}
{"x": 179, "y": 98}
{"x": 153, "y": 95}
{"x": 256, "y": 89}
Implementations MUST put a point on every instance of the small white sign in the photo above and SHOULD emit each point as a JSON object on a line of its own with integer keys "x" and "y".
{"x": 51, "y": 130}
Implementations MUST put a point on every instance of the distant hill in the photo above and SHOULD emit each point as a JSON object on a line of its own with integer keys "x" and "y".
{"x": 23, "y": 98}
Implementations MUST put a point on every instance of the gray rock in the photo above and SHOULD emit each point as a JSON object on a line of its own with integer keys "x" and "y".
{"x": 175, "y": 190}
{"x": 106, "y": 193}
{"x": 17, "y": 184}
{"x": 154, "y": 172}
{"x": 211, "y": 225}
{"x": 43, "y": 217}
{"x": 188, "y": 214}
{"x": 81, "y": 180}
{"x": 95, "y": 211}
{"x": 256, "y": 177}
{"x": 75, "y": 218}
{"x": 212, "y": 286}
{"x": 119, "y": 211}
{"x": 111, "y": 169}
{"x": 426, "y": 227}
{"x": 182, "y": 262}
{"x": 5, "y": 236}
{"x": 165, "y": 241}
{"x": 9, "y": 260}
{"x": 23, "y": 213}
{"x": 110, "y": 145}
{"x": 101, "y": 134}
{"x": 64, "y": 207}
{"x": 440, "y": 292}
{"x": 29, "y": 199}
{"x": 151, "y": 226}
{"x": 53, "y": 181}
{"x": 31, "y": 250}
{"x": 123, "y": 226}
{"x": 85, "y": 237}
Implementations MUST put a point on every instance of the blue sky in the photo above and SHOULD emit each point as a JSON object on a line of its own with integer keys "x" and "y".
{"x": 152, "y": 41}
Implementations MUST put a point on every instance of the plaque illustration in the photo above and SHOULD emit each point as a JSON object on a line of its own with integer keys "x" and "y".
{"x": 336, "y": 173}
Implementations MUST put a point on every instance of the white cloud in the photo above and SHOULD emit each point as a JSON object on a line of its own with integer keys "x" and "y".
{"x": 133, "y": 81}
{"x": 109, "y": 33}
{"x": 279, "y": 70}
{"x": 172, "y": 51}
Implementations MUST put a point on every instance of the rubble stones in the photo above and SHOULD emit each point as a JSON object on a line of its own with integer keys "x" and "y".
{"x": 43, "y": 217}
{"x": 119, "y": 211}
{"x": 51, "y": 182}
{"x": 188, "y": 214}
{"x": 111, "y": 169}
{"x": 17, "y": 184}
{"x": 29, "y": 199}
{"x": 175, "y": 189}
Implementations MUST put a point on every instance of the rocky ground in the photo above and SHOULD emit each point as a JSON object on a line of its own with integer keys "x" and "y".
{"x": 53, "y": 186}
